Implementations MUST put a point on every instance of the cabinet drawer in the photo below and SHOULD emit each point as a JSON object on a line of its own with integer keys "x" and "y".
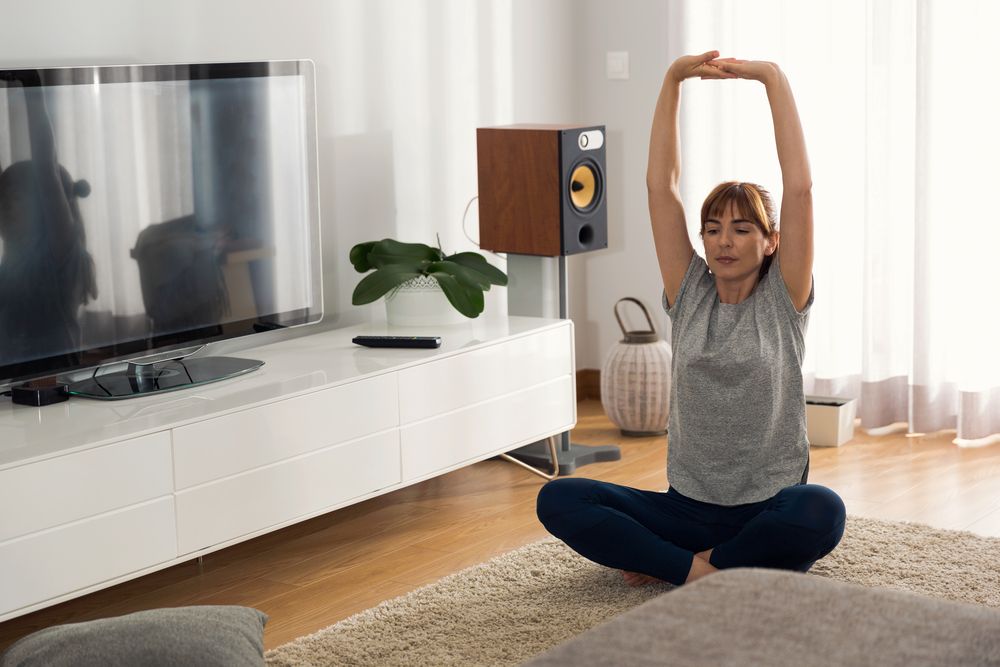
{"x": 488, "y": 428}
{"x": 55, "y": 562}
{"x": 453, "y": 382}
{"x": 252, "y": 438}
{"x": 268, "y": 496}
{"x": 67, "y": 488}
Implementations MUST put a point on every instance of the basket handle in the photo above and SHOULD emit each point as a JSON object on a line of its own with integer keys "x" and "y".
{"x": 652, "y": 329}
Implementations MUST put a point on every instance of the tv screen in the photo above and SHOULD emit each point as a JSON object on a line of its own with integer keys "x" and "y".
{"x": 144, "y": 208}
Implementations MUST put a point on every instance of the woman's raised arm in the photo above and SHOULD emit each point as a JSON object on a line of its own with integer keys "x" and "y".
{"x": 796, "y": 217}
{"x": 53, "y": 201}
{"x": 663, "y": 172}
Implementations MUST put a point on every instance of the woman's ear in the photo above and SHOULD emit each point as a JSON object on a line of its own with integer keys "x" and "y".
{"x": 772, "y": 244}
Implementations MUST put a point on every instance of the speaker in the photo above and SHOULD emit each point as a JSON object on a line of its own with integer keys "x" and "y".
{"x": 542, "y": 189}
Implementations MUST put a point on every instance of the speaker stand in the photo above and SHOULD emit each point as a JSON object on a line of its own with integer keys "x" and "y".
{"x": 570, "y": 455}
{"x": 531, "y": 282}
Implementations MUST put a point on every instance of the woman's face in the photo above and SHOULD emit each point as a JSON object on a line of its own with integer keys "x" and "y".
{"x": 16, "y": 213}
{"x": 735, "y": 247}
{"x": 18, "y": 203}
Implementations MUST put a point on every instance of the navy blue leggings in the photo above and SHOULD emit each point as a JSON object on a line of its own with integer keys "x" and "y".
{"x": 658, "y": 533}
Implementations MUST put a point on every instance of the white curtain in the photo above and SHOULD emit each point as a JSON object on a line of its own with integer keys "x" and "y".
{"x": 899, "y": 116}
{"x": 113, "y": 139}
{"x": 116, "y": 139}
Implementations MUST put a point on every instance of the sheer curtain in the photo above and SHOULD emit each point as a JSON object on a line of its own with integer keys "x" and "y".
{"x": 114, "y": 140}
{"x": 900, "y": 123}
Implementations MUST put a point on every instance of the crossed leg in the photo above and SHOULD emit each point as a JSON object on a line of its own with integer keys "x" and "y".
{"x": 655, "y": 536}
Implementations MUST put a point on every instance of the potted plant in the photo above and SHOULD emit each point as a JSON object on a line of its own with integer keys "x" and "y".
{"x": 462, "y": 277}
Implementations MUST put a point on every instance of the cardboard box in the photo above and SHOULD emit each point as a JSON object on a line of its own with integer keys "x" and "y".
{"x": 829, "y": 420}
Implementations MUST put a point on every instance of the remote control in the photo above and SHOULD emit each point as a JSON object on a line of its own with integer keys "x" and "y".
{"x": 398, "y": 341}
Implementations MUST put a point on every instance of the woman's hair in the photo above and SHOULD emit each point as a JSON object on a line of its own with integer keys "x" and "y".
{"x": 752, "y": 202}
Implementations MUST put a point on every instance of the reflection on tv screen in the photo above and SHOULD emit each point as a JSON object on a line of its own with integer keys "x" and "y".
{"x": 135, "y": 211}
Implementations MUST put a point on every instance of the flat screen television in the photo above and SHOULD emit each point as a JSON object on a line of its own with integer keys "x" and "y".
{"x": 146, "y": 208}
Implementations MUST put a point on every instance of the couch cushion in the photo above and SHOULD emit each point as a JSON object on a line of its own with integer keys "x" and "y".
{"x": 202, "y": 635}
{"x": 771, "y": 617}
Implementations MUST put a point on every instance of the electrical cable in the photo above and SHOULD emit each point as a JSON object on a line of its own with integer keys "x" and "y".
{"x": 464, "y": 214}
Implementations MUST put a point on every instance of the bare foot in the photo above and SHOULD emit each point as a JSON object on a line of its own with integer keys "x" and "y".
{"x": 699, "y": 568}
{"x": 705, "y": 555}
{"x": 638, "y": 579}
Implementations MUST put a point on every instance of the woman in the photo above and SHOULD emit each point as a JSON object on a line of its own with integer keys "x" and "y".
{"x": 46, "y": 272}
{"x": 737, "y": 452}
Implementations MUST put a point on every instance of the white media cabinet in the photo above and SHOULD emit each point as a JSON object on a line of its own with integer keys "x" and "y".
{"x": 93, "y": 493}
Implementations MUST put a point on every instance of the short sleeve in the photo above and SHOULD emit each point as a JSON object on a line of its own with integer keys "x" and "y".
{"x": 776, "y": 284}
{"x": 695, "y": 270}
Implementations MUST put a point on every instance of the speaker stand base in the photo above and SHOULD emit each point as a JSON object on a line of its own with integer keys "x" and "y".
{"x": 537, "y": 455}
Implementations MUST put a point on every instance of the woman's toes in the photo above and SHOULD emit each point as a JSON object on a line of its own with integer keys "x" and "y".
{"x": 638, "y": 579}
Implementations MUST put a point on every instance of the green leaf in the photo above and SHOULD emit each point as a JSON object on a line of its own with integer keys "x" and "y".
{"x": 359, "y": 256}
{"x": 388, "y": 252}
{"x": 375, "y": 285}
{"x": 466, "y": 300}
{"x": 463, "y": 277}
{"x": 477, "y": 262}
{"x": 469, "y": 277}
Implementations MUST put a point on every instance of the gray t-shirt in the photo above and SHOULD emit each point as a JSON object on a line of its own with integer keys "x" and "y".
{"x": 737, "y": 429}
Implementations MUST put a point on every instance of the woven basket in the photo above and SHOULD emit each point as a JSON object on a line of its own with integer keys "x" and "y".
{"x": 635, "y": 380}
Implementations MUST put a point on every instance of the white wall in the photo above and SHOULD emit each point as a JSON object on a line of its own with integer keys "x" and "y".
{"x": 401, "y": 88}
{"x": 628, "y": 267}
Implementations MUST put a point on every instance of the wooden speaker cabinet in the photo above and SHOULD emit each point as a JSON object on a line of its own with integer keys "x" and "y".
{"x": 542, "y": 189}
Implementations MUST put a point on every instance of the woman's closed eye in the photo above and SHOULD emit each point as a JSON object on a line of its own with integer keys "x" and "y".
{"x": 710, "y": 232}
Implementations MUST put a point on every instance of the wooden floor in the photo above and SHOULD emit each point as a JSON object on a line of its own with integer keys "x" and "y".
{"x": 318, "y": 572}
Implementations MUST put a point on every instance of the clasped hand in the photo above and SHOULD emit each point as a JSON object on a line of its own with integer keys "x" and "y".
{"x": 710, "y": 66}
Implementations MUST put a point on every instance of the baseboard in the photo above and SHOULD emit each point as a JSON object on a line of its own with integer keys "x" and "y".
{"x": 588, "y": 384}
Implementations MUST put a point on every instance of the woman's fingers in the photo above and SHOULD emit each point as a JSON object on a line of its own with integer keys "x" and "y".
{"x": 710, "y": 66}
{"x": 703, "y": 66}
{"x": 731, "y": 69}
{"x": 715, "y": 71}
{"x": 757, "y": 70}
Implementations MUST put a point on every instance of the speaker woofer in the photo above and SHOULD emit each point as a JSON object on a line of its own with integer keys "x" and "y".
{"x": 584, "y": 186}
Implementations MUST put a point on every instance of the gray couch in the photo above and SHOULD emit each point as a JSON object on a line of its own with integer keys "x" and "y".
{"x": 745, "y": 617}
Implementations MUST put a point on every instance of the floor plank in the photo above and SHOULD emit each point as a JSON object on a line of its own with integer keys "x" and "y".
{"x": 315, "y": 573}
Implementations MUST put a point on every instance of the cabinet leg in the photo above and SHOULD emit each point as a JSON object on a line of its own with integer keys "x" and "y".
{"x": 571, "y": 455}
{"x": 541, "y": 473}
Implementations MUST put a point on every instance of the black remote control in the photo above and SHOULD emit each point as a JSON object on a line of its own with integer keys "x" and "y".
{"x": 398, "y": 341}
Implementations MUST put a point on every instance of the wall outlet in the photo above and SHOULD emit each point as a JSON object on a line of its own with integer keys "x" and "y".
{"x": 616, "y": 64}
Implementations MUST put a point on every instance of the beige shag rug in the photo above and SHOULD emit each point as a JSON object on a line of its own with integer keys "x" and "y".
{"x": 517, "y": 605}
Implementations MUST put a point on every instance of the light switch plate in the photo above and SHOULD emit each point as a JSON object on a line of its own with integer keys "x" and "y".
{"x": 616, "y": 64}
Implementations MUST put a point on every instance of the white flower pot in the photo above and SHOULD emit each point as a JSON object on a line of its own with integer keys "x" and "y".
{"x": 420, "y": 302}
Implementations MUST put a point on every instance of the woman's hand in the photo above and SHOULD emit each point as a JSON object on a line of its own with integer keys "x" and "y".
{"x": 757, "y": 70}
{"x": 703, "y": 66}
